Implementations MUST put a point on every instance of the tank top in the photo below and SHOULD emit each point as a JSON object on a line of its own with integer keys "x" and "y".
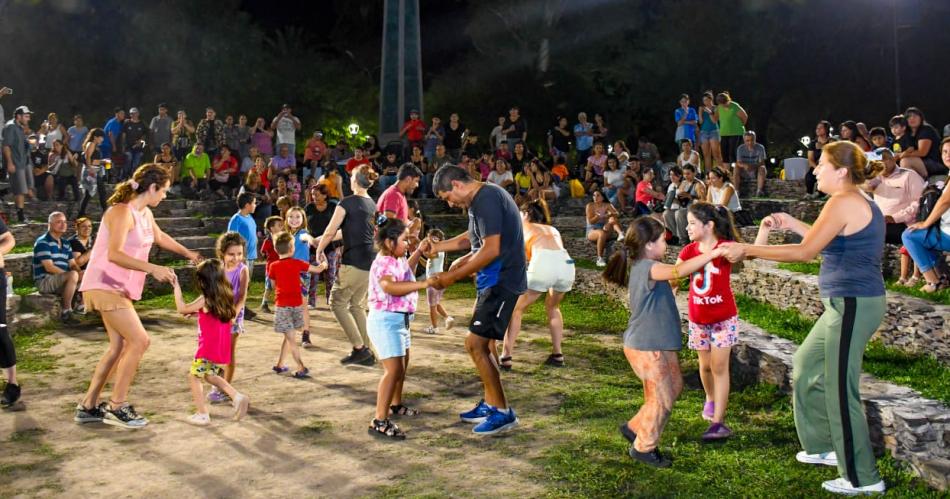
{"x": 708, "y": 124}
{"x": 104, "y": 275}
{"x": 715, "y": 193}
{"x": 234, "y": 277}
{"x": 214, "y": 339}
{"x": 851, "y": 265}
{"x": 54, "y": 135}
{"x": 710, "y": 290}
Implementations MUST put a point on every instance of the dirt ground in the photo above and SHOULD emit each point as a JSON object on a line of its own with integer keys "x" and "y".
{"x": 301, "y": 438}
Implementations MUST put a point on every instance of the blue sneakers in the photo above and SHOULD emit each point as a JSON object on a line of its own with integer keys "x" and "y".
{"x": 477, "y": 415}
{"x": 497, "y": 422}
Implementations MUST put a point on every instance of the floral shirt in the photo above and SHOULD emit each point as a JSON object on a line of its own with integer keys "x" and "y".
{"x": 398, "y": 269}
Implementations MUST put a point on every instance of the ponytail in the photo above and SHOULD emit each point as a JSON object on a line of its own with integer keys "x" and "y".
{"x": 724, "y": 226}
{"x": 642, "y": 231}
{"x": 143, "y": 178}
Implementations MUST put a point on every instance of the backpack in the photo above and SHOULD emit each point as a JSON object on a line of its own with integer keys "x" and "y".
{"x": 928, "y": 199}
{"x": 577, "y": 189}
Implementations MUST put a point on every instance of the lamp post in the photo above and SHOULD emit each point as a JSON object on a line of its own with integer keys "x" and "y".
{"x": 897, "y": 72}
{"x": 354, "y": 130}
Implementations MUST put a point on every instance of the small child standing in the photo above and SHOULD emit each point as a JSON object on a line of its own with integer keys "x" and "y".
{"x": 289, "y": 313}
{"x": 273, "y": 226}
{"x": 294, "y": 188}
{"x": 295, "y": 223}
{"x": 713, "y": 317}
{"x": 434, "y": 266}
{"x": 215, "y": 309}
{"x": 230, "y": 250}
{"x": 653, "y": 334}
{"x": 393, "y": 293}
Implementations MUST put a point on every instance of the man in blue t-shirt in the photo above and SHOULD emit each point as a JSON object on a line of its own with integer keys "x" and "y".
{"x": 496, "y": 244}
{"x": 113, "y": 129}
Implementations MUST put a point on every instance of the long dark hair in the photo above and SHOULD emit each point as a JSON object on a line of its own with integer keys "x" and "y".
{"x": 212, "y": 283}
{"x": 724, "y": 225}
{"x": 642, "y": 231}
{"x": 389, "y": 230}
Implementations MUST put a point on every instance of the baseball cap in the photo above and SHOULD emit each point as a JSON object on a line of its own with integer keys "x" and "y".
{"x": 22, "y": 110}
{"x": 413, "y": 111}
{"x": 133, "y": 110}
{"x": 162, "y": 105}
{"x": 285, "y": 106}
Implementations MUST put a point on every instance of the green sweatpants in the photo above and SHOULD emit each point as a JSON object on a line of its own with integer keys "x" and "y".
{"x": 825, "y": 379}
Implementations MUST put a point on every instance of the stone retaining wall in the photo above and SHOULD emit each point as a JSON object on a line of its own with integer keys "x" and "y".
{"x": 915, "y": 430}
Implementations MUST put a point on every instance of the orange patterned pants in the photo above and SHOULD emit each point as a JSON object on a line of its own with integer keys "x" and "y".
{"x": 662, "y": 383}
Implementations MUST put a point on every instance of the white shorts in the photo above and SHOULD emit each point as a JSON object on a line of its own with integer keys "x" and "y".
{"x": 550, "y": 270}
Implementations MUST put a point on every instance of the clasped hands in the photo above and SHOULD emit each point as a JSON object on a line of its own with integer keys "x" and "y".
{"x": 735, "y": 252}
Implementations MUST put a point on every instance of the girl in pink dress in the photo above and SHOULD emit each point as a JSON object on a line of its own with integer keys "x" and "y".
{"x": 215, "y": 309}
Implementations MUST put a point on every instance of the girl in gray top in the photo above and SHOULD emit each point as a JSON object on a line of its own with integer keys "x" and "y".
{"x": 653, "y": 333}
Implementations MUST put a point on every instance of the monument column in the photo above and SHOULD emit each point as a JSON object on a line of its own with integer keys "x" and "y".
{"x": 400, "y": 85}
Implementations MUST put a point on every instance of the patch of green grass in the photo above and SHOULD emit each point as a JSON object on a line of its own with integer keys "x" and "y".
{"x": 942, "y": 297}
{"x": 19, "y": 250}
{"x": 923, "y": 373}
{"x": 583, "y": 263}
{"x": 32, "y": 347}
{"x": 588, "y": 314}
{"x": 810, "y": 268}
{"x": 24, "y": 290}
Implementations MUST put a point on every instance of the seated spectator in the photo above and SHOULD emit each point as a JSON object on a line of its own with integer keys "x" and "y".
{"x": 314, "y": 151}
{"x": 195, "y": 171}
{"x": 750, "y": 163}
{"x": 252, "y": 185}
{"x": 559, "y": 171}
{"x": 541, "y": 186}
{"x": 850, "y": 132}
{"x": 688, "y": 190}
{"x": 484, "y": 165}
{"x": 622, "y": 152}
{"x": 390, "y": 170}
{"x": 613, "y": 180}
{"x": 688, "y": 155}
{"x": 924, "y": 155}
{"x": 81, "y": 243}
{"x": 294, "y": 187}
{"x": 282, "y": 164}
{"x": 502, "y": 177}
{"x": 603, "y": 223}
{"x": 671, "y": 205}
{"x": 248, "y": 161}
{"x": 166, "y": 158}
{"x": 927, "y": 240}
{"x": 340, "y": 152}
{"x": 334, "y": 184}
{"x": 503, "y": 151}
{"x": 896, "y": 191}
{"x": 594, "y": 169}
{"x": 722, "y": 193}
{"x": 901, "y": 141}
{"x": 878, "y": 137}
{"x": 647, "y": 196}
{"x": 359, "y": 159}
{"x": 54, "y": 270}
{"x": 226, "y": 174}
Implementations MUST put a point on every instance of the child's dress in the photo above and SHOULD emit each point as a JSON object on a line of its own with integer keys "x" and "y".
{"x": 214, "y": 345}
{"x": 389, "y": 316}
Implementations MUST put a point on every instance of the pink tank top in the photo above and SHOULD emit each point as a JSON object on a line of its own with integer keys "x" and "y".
{"x": 214, "y": 339}
{"x": 105, "y": 275}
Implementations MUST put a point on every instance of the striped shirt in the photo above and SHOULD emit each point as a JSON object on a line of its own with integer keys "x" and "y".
{"x": 47, "y": 248}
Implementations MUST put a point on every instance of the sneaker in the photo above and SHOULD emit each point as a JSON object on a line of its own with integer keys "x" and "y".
{"x": 241, "y": 404}
{"x": 709, "y": 408}
{"x": 305, "y": 340}
{"x": 843, "y": 486}
{"x": 825, "y": 458}
{"x": 497, "y": 422}
{"x": 304, "y": 374}
{"x": 216, "y": 397}
{"x": 93, "y": 415}
{"x": 280, "y": 369}
{"x": 601, "y": 262}
{"x": 430, "y": 330}
{"x": 449, "y": 322}
{"x": 249, "y": 314}
{"x": 355, "y": 355}
{"x": 124, "y": 417}
{"x": 265, "y": 308}
{"x": 627, "y": 433}
{"x": 653, "y": 458}
{"x": 369, "y": 360}
{"x": 11, "y": 393}
{"x": 199, "y": 419}
{"x": 477, "y": 415}
{"x": 717, "y": 431}
{"x": 386, "y": 429}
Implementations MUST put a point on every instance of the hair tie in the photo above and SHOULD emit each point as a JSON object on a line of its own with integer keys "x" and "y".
{"x": 134, "y": 184}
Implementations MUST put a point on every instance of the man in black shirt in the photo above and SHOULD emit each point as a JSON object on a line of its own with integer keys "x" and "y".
{"x": 133, "y": 131}
{"x": 515, "y": 129}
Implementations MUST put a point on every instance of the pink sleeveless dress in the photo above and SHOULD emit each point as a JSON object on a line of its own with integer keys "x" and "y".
{"x": 214, "y": 339}
{"x": 101, "y": 274}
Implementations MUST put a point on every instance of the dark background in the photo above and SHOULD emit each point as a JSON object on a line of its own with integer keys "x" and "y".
{"x": 788, "y": 62}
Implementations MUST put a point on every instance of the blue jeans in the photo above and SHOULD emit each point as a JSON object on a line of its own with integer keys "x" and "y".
{"x": 132, "y": 161}
{"x": 386, "y": 180}
{"x": 425, "y": 186}
{"x": 926, "y": 245}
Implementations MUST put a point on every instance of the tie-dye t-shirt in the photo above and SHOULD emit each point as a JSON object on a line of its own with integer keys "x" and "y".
{"x": 398, "y": 269}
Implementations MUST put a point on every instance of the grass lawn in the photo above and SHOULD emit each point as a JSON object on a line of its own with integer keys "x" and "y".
{"x": 942, "y": 296}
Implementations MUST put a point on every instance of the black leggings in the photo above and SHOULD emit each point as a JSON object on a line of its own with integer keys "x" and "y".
{"x": 62, "y": 183}
{"x": 810, "y": 181}
{"x": 7, "y": 352}
{"x": 100, "y": 191}
{"x": 730, "y": 144}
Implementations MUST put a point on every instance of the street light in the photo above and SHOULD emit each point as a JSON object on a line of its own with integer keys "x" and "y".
{"x": 806, "y": 140}
{"x": 354, "y": 129}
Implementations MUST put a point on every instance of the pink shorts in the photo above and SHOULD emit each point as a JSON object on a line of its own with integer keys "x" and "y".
{"x": 434, "y": 296}
{"x": 720, "y": 334}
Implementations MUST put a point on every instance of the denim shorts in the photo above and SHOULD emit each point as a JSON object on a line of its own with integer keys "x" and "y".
{"x": 706, "y": 136}
{"x": 388, "y": 332}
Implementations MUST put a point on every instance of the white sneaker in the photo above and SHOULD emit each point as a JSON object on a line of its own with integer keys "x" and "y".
{"x": 843, "y": 486}
{"x": 449, "y": 322}
{"x": 825, "y": 458}
{"x": 601, "y": 262}
{"x": 241, "y": 403}
{"x": 430, "y": 330}
{"x": 199, "y": 419}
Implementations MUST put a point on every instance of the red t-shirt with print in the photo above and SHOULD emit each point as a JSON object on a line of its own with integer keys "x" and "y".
{"x": 710, "y": 290}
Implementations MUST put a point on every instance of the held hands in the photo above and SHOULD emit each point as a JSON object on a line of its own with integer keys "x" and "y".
{"x": 194, "y": 257}
{"x": 442, "y": 280}
{"x": 733, "y": 252}
{"x": 163, "y": 274}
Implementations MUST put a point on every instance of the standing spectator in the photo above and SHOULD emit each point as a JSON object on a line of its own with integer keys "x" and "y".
{"x": 392, "y": 203}
{"x": 497, "y": 135}
{"x": 195, "y": 171}
{"x": 455, "y": 132}
{"x": 709, "y": 132}
{"x": 600, "y": 130}
{"x": 210, "y": 132}
{"x": 896, "y": 191}
{"x": 113, "y": 129}
{"x": 5, "y": 91}
{"x": 584, "y": 135}
{"x": 649, "y": 155}
{"x": 516, "y": 129}
{"x": 54, "y": 131}
{"x": 750, "y": 162}
{"x": 134, "y": 132}
{"x": 243, "y": 223}
{"x": 359, "y": 159}
{"x": 182, "y": 131}
{"x": 732, "y": 119}
{"x": 160, "y": 128}
{"x": 822, "y": 137}
{"x": 231, "y": 138}
{"x": 77, "y": 134}
{"x": 924, "y": 154}
{"x": 559, "y": 139}
{"x": 286, "y": 126}
{"x": 413, "y": 129}
{"x": 243, "y": 138}
{"x": 92, "y": 174}
{"x": 54, "y": 269}
{"x": 16, "y": 158}
{"x": 316, "y": 150}
{"x": 262, "y": 138}
{"x": 11, "y": 392}
{"x": 226, "y": 174}
{"x": 686, "y": 120}
{"x": 64, "y": 167}
{"x": 435, "y": 135}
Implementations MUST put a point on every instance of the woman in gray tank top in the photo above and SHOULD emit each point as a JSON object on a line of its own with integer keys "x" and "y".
{"x": 849, "y": 234}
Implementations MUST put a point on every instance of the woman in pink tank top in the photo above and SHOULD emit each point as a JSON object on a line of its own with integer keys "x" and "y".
{"x": 114, "y": 277}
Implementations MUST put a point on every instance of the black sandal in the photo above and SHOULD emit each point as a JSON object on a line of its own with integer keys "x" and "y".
{"x": 401, "y": 410}
{"x": 555, "y": 360}
{"x": 387, "y": 429}
{"x": 505, "y": 363}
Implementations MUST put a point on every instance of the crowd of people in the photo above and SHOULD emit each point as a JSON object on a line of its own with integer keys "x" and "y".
{"x": 349, "y": 220}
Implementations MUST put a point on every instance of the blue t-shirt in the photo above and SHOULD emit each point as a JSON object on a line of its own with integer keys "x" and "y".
{"x": 46, "y": 248}
{"x": 247, "y": 228}
{"x": 301, "y": 249}
{"x": 688, "y": 131}
{"x": 114, "y": 126}
{"x": 493, "y": 212}
{"x": 584, "y": 142}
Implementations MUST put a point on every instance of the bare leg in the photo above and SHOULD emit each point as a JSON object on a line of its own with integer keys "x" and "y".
{"x": 103, "y": 369}
{"x": 915, "y": 164}
{"x": 69, "y": 289}
{"x": 479, "y": 349}
{"x": 706, "y": 375}
{"x": 397, "y": 394}
{"x": 291, "y": 338}
{"x": 197, "y": 394}
{"x": 736, "y": 178}
{"x": 555, "y": 320}
{"x": 598, "y": 236}
{"x": 717, "y": 152}
{"x": 760, "y": 184}
{"x": 393, "y": 368}
{"x": 720, "y": 373}
{"x": 222, "y": 385}
{"x": 514, "y": 325}
{"x": 126, "y": 323}
{"x": 229, "y": 369}
{"x": 707, "y": 155}
{"x": 284, "y": 347}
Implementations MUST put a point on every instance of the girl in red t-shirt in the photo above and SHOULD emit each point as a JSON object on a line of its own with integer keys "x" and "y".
{"x": 646, "y": 195}
{"x": 713, "y": 317}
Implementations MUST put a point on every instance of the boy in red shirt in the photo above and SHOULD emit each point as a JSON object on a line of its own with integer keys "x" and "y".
{"x": 273, "y": 226}
{"x": 288, "y": 315}
{"x": 414, "y": 129}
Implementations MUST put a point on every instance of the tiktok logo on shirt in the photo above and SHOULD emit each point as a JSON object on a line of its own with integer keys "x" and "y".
{"x": 701, "y": 290}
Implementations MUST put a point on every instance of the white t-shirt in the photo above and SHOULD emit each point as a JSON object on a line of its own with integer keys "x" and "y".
{"x": 435, "y": 264}
{"x": 614, "y": 178}
{"x": 693, "y": 159}
{"x": 499, "y": 178}
{"x": 286, "y": 129}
